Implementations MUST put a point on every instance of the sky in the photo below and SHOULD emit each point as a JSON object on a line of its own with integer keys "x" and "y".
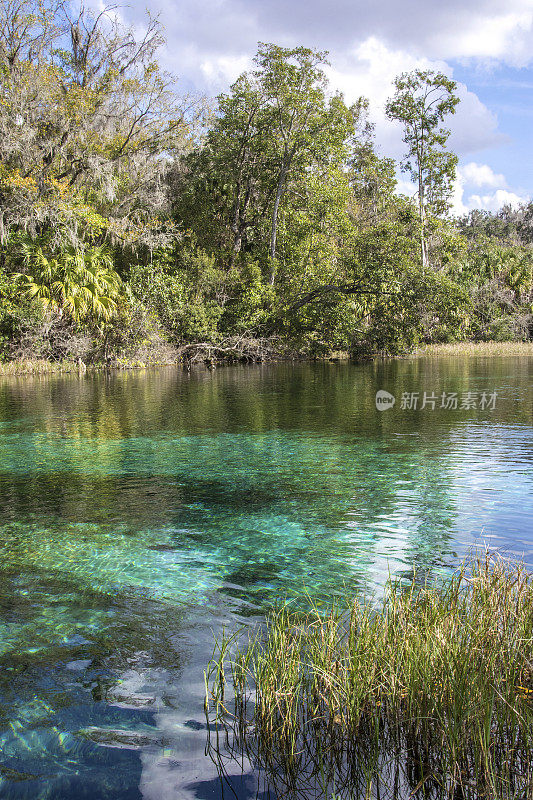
{"x": 486, "y": 46}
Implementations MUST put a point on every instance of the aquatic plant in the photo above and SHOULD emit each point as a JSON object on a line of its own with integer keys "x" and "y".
{"x": 429, "y": 695}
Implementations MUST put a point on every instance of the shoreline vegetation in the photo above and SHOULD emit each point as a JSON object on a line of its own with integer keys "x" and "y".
{"x": 141, "y": 225}
{"x": 429, "y": 695}
{"x": 212, "y": 356}
{"x": 475, "y": 349}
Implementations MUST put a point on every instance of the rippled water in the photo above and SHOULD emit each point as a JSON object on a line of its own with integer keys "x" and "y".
{"x": 142, "y": 512}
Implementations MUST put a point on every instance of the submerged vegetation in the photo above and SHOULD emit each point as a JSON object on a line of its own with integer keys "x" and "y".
{"x": 429, "y": 696}
{"x": 140, "y": 224}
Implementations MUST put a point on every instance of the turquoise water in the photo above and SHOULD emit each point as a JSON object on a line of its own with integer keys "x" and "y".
{"x": 142, "y": 512}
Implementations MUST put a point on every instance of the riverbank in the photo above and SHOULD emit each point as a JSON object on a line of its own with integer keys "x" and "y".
{"x": 28, "y": 366}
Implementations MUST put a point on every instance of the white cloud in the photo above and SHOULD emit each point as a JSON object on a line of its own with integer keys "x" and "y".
{"x": 495, "y": 201}
{"x": 211, "y": 42}
{"x": 458, "y": 207}
{"x": 220, "y": 72}
{"x": 457, "y": 29}
{"x": 481, "y": 175}
{"x": 474, "y": 127}
{"x": 405, "y": 187}
{"x": 475, "y": 175}
{"x": 503, "y": 35}
{"x": 472, "y": 30}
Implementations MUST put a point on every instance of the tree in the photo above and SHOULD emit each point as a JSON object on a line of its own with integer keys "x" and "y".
{"x": 87, "y": 124}
{"x": 421, "y": 102}
{"x": 274, "y": 129}
{"x": 373, "y": 182}
{"x": 222, "y": 191}
{"x": 307, "y": 128}
{"x": 509, "y": 225}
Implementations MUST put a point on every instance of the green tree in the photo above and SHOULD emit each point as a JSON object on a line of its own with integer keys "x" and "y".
{"x": 222, "y": 191}
{"x": 87, "y": 124}
{"x": 274, "y": 128}
{"x": 307, "y": 128}
{"x": 420, "y": 103}
{"x": 373, "y": 182}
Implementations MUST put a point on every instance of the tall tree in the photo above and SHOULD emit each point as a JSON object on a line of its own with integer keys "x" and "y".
{"x": 421, "y": 102}
{"x": 275, "y": 127}
{"x": 222, "y": 191}
{"x": 307, "y": 128}
{"x": 87, "y": 122}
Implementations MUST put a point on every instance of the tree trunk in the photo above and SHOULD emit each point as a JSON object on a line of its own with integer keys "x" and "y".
{"x": 236, "y": 249}
{"x": 422, "y": 214}
{"x": 274, "y": 228}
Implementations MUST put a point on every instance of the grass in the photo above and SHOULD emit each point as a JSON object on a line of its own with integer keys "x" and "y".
{"x": 430, "y": 696}
{"x": 477, "y": 349}
{"x": 36, "y": 366}
{"x": 29, "y": 366}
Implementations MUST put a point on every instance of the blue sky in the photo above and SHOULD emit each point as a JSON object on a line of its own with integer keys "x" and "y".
{"x": 508, "y": 92}
{"x": 487, "y": 46}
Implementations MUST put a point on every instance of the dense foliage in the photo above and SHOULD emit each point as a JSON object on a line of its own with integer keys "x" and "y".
{"x": 138, "y": 223}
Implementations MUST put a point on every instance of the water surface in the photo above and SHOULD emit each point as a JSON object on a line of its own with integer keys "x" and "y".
{"x": 141, "y": 512}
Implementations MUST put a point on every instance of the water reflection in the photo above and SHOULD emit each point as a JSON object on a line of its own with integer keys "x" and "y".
{"x": 140, "y": 512}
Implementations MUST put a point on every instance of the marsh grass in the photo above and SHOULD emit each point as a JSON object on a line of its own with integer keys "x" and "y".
{"x": 476, "y": 349}
{"x": 36, "y": 366}
{"x": 30, "y": 366}
{"x": 429, "y": 696}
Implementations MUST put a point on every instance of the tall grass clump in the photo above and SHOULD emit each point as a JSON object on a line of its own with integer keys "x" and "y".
{"x": 476, "y": 349}
{"x": 431, "y": 695}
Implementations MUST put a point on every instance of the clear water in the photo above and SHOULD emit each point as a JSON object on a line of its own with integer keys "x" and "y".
{"x": 141, "y": 512}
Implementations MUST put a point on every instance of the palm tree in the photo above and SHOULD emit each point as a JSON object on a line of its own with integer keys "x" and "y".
{"x": 79, "y": 283}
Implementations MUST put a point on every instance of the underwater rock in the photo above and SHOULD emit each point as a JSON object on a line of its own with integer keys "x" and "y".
{"x": 14, "y": 775}
{"x": 130, "y": 701}
{"x": 129, "y": 740}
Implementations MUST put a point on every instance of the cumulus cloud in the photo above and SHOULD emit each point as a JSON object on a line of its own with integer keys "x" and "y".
{"x": 405, "y": 187}
{"x": 458, "y": 29}
{"x": 504, "y": 35}
{"x": 222, "y": 71}
{"x": 481, "y": 175}
{"x": 211, "y": 42}
{"x": 496, "y": 200}
{"x": 370, "y": 68}
{"x": 473, "y": 175}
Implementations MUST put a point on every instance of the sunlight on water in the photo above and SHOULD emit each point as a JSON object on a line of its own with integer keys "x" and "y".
{"x": 141, "y": 512}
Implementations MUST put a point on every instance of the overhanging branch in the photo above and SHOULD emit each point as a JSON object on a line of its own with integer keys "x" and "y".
{"x": 340, "y": 288}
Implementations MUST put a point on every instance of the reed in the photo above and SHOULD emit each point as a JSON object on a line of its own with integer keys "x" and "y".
{"x": 36, "y": 366}
{"x": 484, "y": 349}
{"x": 429, "y": 696}
{"x": 28, "y": 366}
